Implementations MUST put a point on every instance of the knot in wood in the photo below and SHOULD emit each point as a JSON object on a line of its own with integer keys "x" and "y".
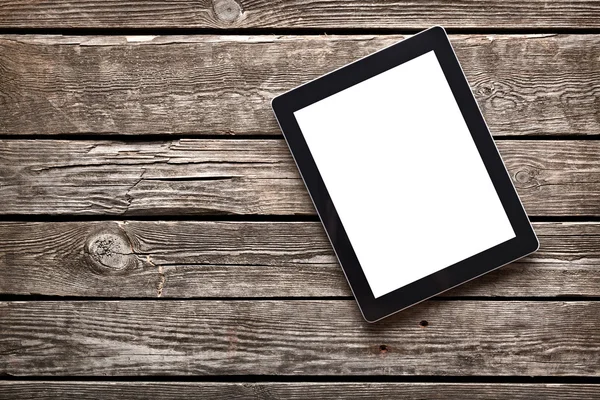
{"x": 108, "y": 251}
{"x": 227, "y": 10}
{"x": 526, "y": 177}
{"x": 485, "y": 89}
{"x": 522, "y": 176}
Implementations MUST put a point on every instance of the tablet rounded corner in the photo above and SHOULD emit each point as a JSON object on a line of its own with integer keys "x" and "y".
{"x": 529, "y": 242}
{"x": 439, "y": 29}
{"x": 536, "y": 245}
{"x": 368, "y": 319}
{"x": 275, "y": 101}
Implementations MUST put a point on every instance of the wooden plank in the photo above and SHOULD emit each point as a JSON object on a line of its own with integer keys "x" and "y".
{"x": 213, "y": 176}
{"x": 318, "y": 337}
{"x": 194, "y": 85}
{"x": 43, "y": 390}
{"x": 322, "y": 14}
{"x": 136, "y": 259}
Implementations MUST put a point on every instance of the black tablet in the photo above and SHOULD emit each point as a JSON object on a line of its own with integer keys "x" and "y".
{"x": 404, "y": 174}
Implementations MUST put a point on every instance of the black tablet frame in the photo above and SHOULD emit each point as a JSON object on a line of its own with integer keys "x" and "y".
{"x": 525, "y": 241}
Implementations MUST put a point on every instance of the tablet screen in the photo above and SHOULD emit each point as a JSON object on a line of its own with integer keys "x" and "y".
{"x": 404, "y": 174}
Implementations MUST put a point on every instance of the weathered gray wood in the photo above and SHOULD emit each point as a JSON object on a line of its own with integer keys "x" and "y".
{"x": 180, "y": 177}
{"x": 180, "y": 259}
{"x": 42, "y": 390}
{"x": 326, "y": 14}
{"x": 199, "y": 176}
{"x": 192, "y": 337}
{"x": 193, "y": 85}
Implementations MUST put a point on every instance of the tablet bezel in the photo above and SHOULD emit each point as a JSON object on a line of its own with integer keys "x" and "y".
{"x": 524, "y": 242}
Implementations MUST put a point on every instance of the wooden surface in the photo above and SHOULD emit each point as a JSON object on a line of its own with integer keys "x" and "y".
{"x": 222, "y": 85}
{"x": 300, "y": 337}
{"x": 298, "y": 14}
{"x": 154, "y": 230}
{"x": 252, "y": 176}
{"x": 182, "y": 259}
{"x": 168, "y": 390}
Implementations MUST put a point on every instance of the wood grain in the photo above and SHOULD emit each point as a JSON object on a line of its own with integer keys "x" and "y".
{"x": 46, "y": 390}
{"x": 222, "y": 85}
{"x": 134, "y": 338}
{"x": 213, "y": 176}
{"x": 290, "y": 14}
{"x": 137, "y": 259}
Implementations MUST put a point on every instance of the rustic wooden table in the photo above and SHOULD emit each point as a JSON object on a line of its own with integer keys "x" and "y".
{"x": 156, "y": 239}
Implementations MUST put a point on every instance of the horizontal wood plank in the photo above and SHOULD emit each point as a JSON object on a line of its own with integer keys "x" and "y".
{"x": 132, "y": 338}
{"x": 136, "y": 259}
{"x": 212, "y": 176}
{"x": 46, "y": 390}
{"x": 289, "y": 14}
{"x": 222, "y": 85}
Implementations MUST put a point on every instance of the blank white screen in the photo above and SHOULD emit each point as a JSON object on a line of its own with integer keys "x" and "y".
{"x": 404, "y": 174}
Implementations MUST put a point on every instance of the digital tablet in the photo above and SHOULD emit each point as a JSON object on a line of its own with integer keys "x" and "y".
{"x": 404, "y": 174}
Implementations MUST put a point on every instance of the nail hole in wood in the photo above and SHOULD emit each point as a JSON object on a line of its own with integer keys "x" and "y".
{"x": 423, "y": 323}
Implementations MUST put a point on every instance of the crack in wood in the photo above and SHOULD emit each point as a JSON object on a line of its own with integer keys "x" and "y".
{"x": 161, "y": 283}
{"x": 128, "y": 197}
{"x": 147, "y": 259}
{"x": 192, "y": 178}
